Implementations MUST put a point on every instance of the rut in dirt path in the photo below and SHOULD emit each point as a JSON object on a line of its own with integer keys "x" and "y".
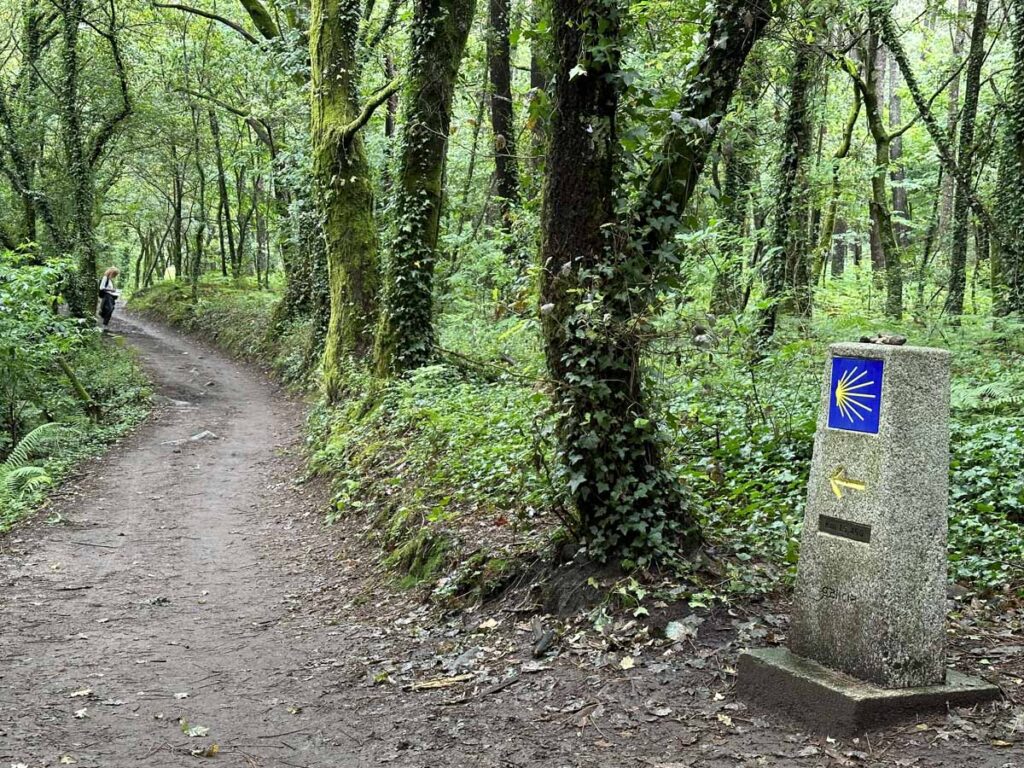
{"x": 162, "y": 594}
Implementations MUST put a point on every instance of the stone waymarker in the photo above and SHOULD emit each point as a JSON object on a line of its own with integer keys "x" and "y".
{"x": 867, "y": 640}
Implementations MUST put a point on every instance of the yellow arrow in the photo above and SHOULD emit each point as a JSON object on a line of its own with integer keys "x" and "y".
{"x": 839, "y": 480}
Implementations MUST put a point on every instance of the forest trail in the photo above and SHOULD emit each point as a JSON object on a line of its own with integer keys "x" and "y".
{"x": 170, "y": 574}
{"x": 189, "y": 586}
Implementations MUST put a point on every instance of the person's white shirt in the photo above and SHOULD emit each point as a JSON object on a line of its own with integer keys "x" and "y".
{"x": 106, "y": 284}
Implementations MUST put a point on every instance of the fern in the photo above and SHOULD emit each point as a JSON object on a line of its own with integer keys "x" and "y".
{"x": 25, "y": 479}
{"x": 31, "y": 443}
{"x": 17, "y": 474}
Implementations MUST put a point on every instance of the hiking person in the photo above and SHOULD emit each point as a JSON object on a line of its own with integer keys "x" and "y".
{"x": 108, "y": 294}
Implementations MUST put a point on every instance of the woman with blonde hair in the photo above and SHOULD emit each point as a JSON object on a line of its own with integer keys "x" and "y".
{"x": 108, "y": 294}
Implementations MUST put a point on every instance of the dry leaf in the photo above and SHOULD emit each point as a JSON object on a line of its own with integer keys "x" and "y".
{"x": 724, "y": 719}
{"x": 79, "y": 694}
{"x": 627, "y": 662}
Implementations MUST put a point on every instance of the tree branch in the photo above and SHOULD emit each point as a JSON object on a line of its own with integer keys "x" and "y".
{"x": 673, "y": 179}
{"x": 261, "y": 19}
{"x": 215, "y": 17}
{"x": 109, "y": 126}
{"x": 375, "y": 101}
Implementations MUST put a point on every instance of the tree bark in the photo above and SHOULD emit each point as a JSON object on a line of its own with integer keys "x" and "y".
{"x": 222, "y": 189}
{"x": 829, "y": 226}
{"x": 81, "y": 288}
{"x": 739, "y": 149}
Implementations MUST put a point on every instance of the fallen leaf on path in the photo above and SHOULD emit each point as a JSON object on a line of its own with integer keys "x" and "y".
{"x": 211, "y": 751}
{"x": 82, "y": 713}
{"x": 441, "y": 682}
{"x": 67, "y": 760}
{"x": 724, "y": 719}
{"x": 182, "y": 695}
{"x": 112, "y": 703}
{"x": 627, "y": 662}
{"x": 489, "y": 624}
{"x": 79, "y": 694}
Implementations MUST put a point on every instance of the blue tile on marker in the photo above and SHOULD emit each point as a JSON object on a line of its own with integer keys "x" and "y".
{"x": 855, "y": 394}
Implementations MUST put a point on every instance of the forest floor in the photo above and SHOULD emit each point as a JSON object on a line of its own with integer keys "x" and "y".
{"x": 181, "y": 592}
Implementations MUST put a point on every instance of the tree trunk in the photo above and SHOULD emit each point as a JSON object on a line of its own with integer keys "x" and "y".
{"x": 829, "y": 226}
{"x": 900, "y": 201}
{"x": 839, "y": 248}
{"x": 1008, "y": 272}
{"x": 953, "y": 115}
{"x": 502, "y": 121}
{"x": 879, "y": 204}
{"x": 177, "y": 195}
{"x": 198, "y": 252}
{"x": 81, "y": 288}
{"x": 789, "y": 238}
{"x": 740, "y": 150}
{"x": 440, "y": 31}
{"x": 343, "y": 187}
{"x": 965, "y": 159}
{"x": 222, "y": 188}
{"x": 598, "y": 279}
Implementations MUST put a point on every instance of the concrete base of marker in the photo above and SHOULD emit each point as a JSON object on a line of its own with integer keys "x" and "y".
{"x": 835, "y": 703}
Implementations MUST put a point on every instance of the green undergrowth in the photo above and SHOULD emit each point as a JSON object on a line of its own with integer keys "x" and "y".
{"x": 446, "y": 470}
{"x": 234, "y": 316}
{"x": 109, "y": 372}
{"x": 448, "y": 473}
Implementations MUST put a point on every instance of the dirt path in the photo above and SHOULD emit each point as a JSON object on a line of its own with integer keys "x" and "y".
{"x": 190, "y": 582}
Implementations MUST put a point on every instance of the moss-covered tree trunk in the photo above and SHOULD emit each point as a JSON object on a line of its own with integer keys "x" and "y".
{"x": 965, "y": 159}
{"x": 81, "y": 289}
{"x": 343, "y": 187}
{"x": 439, "y": 33}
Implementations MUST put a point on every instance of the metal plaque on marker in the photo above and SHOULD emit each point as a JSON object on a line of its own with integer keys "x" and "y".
{"x": 847, "y": 529}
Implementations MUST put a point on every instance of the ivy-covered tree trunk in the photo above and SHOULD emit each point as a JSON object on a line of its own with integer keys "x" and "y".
{"x": 789, "y": 238}
{"x": 741, "y": 164}
{"x": 965, "y": 159}
{"x": 81, "y": 289}
{"x": 1008, "y": 272}
{"x": 439, "y": 33}
{"x": 600, "y": 275}
{"x": 343, "y": 187}
{"x": 502, "y": 124}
